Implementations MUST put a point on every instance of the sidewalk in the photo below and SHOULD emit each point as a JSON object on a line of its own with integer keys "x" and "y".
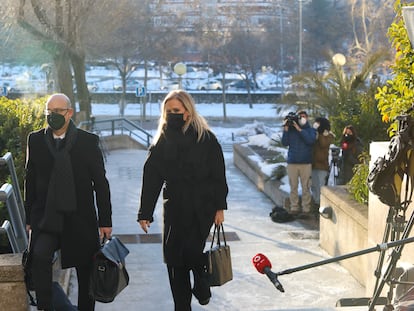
{"x": 247, "y": 221}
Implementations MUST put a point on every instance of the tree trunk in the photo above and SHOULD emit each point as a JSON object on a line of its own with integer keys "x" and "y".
{"x": 78, "y": 63}
{"x": 64, "y": 74}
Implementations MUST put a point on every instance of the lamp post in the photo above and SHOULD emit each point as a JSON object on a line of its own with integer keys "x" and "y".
{"x": 300, "y": 36}
{"x": 282, "y": 66}
{"x": 408, "y": 16}
{"x": 47, "y": 69}
{"x": 180, "y": 69}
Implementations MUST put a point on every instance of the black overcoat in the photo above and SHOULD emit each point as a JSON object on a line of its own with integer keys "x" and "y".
{"x": 80, "y": 236}
{"x": 195, "y": 187}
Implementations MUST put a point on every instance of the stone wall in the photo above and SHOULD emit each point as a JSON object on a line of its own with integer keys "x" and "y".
{"x": 12, "y": 287}
{"x": 243, "y": 160}
{"x": 346, "y": 231}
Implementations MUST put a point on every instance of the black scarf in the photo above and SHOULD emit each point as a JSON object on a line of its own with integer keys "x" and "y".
{"x": 61, "y": 194}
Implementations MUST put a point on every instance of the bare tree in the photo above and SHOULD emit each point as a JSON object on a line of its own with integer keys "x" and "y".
{"x": 132, "y": 40}
{"x": 244, "y": 48}
{"x": 57, "y": 25}
{"x": 370, "y": 21}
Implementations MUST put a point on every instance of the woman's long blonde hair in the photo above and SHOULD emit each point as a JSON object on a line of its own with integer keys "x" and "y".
{"x": 198, "y": 122}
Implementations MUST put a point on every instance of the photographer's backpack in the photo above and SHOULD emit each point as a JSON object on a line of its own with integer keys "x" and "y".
{"x": 279, "y": 214}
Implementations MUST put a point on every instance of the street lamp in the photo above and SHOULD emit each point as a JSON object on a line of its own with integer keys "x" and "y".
{"x": 282, "y": 66}
{"x": 180, "y": 69}
{"x": 339, "y": 59}
{"x": 408, "y": 16}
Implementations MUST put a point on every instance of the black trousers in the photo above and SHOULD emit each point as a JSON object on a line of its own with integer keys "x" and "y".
{"x": 44, "y": 247}
{"x": 180, "y": 283}
{"x": 180, "y": 287}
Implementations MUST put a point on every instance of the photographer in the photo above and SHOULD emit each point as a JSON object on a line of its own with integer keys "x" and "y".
{"x": 320, "y": 164}
{"x": 351, "y": 149}
{"x": 299, "y": 136}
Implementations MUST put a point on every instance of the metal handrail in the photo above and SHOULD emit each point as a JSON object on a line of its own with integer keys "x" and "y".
{"x": 7, "y": 159}
{"x": 122, "y": 124}
{"x": 7, "y": 228}
{"x": 12, "y": 197}
{"x": 7, "y": 195}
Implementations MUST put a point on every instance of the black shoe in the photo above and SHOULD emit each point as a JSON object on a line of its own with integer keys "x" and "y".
{"x": 201, "y": 290}
{"x": 204, "y": 302}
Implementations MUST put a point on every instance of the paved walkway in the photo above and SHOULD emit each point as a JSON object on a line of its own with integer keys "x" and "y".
{"x": 287, "y": 245}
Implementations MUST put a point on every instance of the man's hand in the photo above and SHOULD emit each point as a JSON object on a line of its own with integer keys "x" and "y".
{"x": 296, "y": 126}
{"x": 285, "y": 125}
{"x": 105, "y": 232}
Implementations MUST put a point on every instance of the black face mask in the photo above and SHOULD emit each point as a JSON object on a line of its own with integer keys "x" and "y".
{"x": 56, "y": 121}
{"x": 175, "y": 121}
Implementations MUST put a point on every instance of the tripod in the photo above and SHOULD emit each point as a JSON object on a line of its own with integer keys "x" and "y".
{"x": 386, "y": 181}
{"x": 399, "y": 162}
{"x": 333, "y": 165}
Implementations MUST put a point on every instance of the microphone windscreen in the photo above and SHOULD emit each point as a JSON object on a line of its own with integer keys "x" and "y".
{"x": 260, "y": 262}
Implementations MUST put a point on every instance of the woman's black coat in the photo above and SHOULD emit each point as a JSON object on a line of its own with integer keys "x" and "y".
{"x": 193, "y": 175}
{"x": 80, "y": 236}
{"x": 350, "y": 157}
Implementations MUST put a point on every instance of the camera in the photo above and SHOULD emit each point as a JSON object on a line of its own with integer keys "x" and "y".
{"x": 335, "y": 154}
{"x": 290, "y": 118}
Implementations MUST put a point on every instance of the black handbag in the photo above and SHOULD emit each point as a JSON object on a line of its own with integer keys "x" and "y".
{"x": 219, "y": 259}
{"x": 109, "y": 275}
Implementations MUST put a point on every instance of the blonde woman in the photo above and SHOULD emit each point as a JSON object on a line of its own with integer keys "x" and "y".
{"x": 187, "y": 161}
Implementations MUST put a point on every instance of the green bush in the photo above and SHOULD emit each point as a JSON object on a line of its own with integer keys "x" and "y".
{"x": 17, "y": 119}
{"x": 358, "y": 186}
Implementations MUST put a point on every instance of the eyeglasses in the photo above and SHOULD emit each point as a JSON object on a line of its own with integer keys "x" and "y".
{"x": 56, "y": 110}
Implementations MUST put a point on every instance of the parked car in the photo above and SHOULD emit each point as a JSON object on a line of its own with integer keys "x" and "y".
{"x": 175, "y": 85}
{"x": 21, "y": 86}
{"x": 92, "y": 87}
{"x": 9, "y": 87}
{"x": 242, "y": 85}
{"x": 131, "y": 85}
{"x": 210, "y": 85}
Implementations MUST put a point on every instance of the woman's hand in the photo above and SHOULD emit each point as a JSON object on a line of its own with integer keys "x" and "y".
{"x": 219, "y": 218}
{"x": 145, "y": 224}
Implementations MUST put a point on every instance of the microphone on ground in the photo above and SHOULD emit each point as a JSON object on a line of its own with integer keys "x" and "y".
{"x": 264, "y": 266}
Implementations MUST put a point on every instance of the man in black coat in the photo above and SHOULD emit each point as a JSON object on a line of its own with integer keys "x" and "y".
{"x": 65, "y": 174}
